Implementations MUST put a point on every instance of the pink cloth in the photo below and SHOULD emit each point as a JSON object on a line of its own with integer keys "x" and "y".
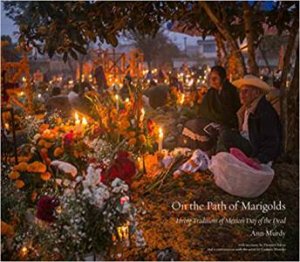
{"x": 242, "y": 157}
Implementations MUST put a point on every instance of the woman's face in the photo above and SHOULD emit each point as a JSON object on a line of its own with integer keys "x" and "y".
{"x": 215, "y": 80}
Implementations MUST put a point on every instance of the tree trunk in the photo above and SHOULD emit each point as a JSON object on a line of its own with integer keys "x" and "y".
{"x": 283, "y": 87}
{"x": 221, "y": 52}
{"x": 289, "y": 51}
{"x": 264, "y": 56}
{"x": 226, "y": 34}
{"x": 292, "y": 140}
{"x": 250, "y": 39}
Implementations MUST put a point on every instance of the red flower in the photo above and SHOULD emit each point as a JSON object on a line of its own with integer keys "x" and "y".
{"x": 46, "y": 207}
{"x": 123, "y": 168}
{"x": 68, "y": 138}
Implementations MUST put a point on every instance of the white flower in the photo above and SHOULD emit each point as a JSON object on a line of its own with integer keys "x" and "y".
{"x": 58, "y": 181}
{"x": 87, "y": 193}
{"x": 66, "y": 182}
{"x": 36, "y": 138}
{"x": 78, "y": 179}
{"x": 126, "y": 208}
{"x": 32, "y": 150}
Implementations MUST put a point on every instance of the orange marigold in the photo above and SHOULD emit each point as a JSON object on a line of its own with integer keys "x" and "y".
{"x": 132, "y": 141}
{"x": 131, "y": 133}
{"x": 46, "y": 176}
{"x": 58, "y": 151}
{"x": 33, "y": 196}
{"x": 20, "y": 183}
{"x": 6, "y": 229}
{"x": 37, "y": 167}
{"x": 43, "y": 127}
{"x": 142, "y": 138}
{"x": 24, "y": 158}
{"x": 41, "y": 142}
{"x": 47, "y": 144}
{"x": 14, "y": 175}
{"x": 21, "y": 167}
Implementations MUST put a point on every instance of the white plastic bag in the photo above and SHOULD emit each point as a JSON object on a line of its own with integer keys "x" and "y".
{"x": 239, "y": 179}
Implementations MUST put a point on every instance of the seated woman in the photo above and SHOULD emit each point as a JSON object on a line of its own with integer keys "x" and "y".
{"x": 221, "y": 102}
{"x": 217, "y": 109}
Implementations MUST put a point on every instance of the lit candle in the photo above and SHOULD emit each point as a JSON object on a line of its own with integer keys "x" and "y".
{"x": 84, "y": 121}
{"x": 142, "y": 114}
{"x": 24, "y": 251}
{"x": 181, "y": 101}
{"x": 140, "y": 163}
{"x": 127, "y": 100}
{"x": 160, "y": 139}
{"x": 117, "y": 101}
{"x": 287, "y": 83}
{"x": 77, "y": 120}
{"x": 191, "y": 82}
{"x": 6, "y": 126}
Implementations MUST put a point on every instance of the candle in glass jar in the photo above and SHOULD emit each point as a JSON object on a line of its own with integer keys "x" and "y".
{"x": 117, "y": 102}
{"x": 77, "y": 120}
{"x": 160, "y": 139}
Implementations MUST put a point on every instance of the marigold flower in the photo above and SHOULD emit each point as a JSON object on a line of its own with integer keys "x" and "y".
{"x": 21, "y": 167}
{"x": 14, "y": 175}
{"x": 58, "y": 151}
{"x": 20, "y": 183}
{"x": 6, "y": 229}
{"x": 142, "y": 138}
{"x": 132, "y": 141}
{"x": 46, "y": 176}
{"x": 43, "y": 127}
{"x": 33, "y": 196}
{"x": 131, "y": 133}
{"x": 37, "y": 167}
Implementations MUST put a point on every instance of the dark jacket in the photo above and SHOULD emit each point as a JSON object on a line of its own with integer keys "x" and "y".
{"x": 221, "y": 107}
{"x": 264, "y": 131}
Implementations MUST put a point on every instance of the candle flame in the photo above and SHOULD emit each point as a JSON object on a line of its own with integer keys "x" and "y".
{"x": 117, "y": 97}
{"x": 76, "y": 116}
{"x": 127, "y": 100}
{"x": 160, "y": 133}
{"x": 24, "y": 251}
{"x": 84, "y": 121}
{"x": 181, "y": 101}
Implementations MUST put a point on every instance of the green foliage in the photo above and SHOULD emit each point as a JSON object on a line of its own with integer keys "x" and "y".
{"x": 68, "y": 27}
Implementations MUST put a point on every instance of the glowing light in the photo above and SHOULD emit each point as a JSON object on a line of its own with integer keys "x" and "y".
{"x": 77, "y": 120}
{"x": 117, "y": 101}
{"x": 142, "y": 114}
{"x": 24, "y": 251}
{"x": 6, "y": 126}
{"x": 84, "y": 121}
{"x": 58, "y": 210}
{"x": 181, "y": 100}
{"x": 39, "y": 95}
{"x": 24, "y": 79}
{"x": 160, "y": 138}
{"x": 127, "y": 100}
{"x": 191, "y": 82}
